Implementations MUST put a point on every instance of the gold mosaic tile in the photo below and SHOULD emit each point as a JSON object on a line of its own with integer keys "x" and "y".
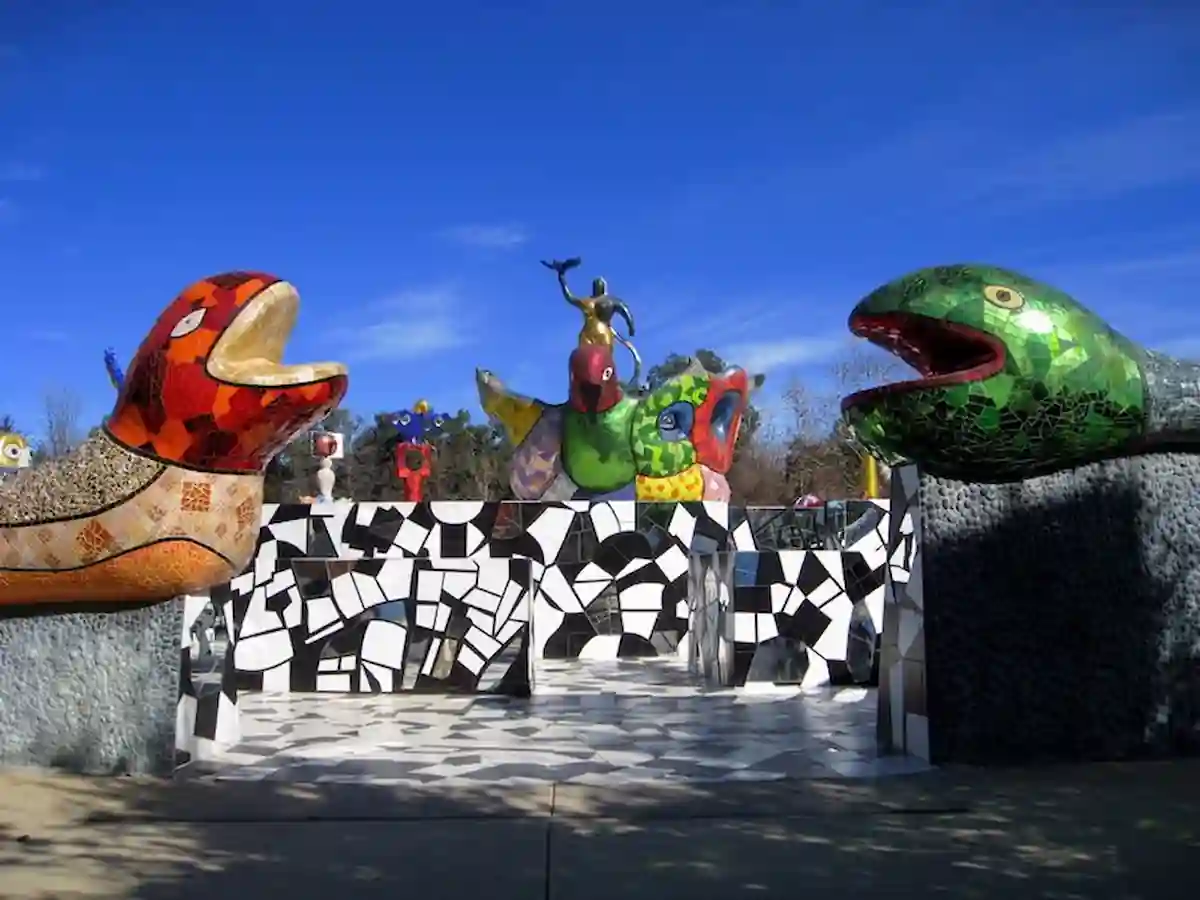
{"x": 93, "y": 540}
{"x": 247, "y": 513}
{"x": 195, "y": 496}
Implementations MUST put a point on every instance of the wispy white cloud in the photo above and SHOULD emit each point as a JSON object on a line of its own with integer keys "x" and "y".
{"x": 943, "y": 167}
{"x": 20, "y": 171}
{"x": 1133, "y": 154}
{"x": 743, "y": 331}
{"x": 973, "y": 164}
{"x": 409, "y": 325}
{"x": 1187, "y": 259}
{"x": 48, "y": 335}
{"x": 487, "y": 237}
{"x": 1112, "y": 276}
{"x": 700, "y": 317}
{"x": 765, "y": 356}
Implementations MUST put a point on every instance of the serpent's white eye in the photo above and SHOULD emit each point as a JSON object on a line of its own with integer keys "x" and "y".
{"x": 188, "y": 323}
{"x": 1004, "y": 297}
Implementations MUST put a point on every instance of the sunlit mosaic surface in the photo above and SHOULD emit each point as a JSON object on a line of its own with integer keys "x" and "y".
{"x": 589, "y": 722}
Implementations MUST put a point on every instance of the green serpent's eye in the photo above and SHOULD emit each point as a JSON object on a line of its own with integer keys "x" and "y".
{"x": 675, "y": 422}
{"x": 1004, "y": 297}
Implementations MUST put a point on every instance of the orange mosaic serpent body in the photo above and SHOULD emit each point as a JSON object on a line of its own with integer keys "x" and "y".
{"x": 205, "y": 406}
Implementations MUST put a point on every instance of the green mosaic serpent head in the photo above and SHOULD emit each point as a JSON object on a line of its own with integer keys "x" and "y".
{"x": 1017, "y": 379}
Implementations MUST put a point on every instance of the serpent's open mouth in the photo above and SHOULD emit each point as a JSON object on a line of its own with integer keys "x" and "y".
{"x": 250, "y": 351}
{"x": 945, "y": 353}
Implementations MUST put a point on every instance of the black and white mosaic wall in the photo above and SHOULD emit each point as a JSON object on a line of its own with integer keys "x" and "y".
{"x": 903, "y": 723}
{"x": 206, "y": 715}
{"x": 461, "y": 595}
{"x": 384, "y": 625}
{"x": 710, "y": 626}
{"x": 806, "y": 617}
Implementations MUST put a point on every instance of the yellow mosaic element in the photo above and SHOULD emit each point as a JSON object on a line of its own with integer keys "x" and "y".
{"x": 685, "y": 485}
{"x": 215, "y": 515}
{"x": 516, "y": 414}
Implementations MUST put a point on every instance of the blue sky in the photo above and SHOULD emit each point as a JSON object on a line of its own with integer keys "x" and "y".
{"x": 741, "y": 172}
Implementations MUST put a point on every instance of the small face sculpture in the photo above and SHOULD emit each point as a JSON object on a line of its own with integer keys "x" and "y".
{"x": 14, "y": 451}
{"x": 418, "y": 425}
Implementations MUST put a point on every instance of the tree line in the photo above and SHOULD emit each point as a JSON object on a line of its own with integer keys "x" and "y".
{"x": 797, "y": 449}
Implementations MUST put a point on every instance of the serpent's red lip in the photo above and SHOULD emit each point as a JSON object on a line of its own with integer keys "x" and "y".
{"x": 945, "y": 353}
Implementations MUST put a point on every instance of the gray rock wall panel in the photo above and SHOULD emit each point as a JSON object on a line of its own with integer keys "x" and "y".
{"x": 91, "y": 692}
{"x": 1062, "y": 614}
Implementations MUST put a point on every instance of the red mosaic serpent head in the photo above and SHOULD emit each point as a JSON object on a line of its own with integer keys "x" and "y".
{"x": 719, "y": 418}
{"x": 207, "y": 388}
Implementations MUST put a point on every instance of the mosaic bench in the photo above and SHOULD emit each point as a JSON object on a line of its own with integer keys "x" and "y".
{"x": 460, "y": 596}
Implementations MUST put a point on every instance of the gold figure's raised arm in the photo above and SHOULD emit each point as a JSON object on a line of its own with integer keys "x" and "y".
{"x": 561, "y": 268}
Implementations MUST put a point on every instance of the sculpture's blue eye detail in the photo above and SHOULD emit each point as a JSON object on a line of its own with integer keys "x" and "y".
{"x": 421, "y": 425}
{"x": 410, "y": 426}
{"x": 723, "y": 413}
{"x": 675, "y": 422}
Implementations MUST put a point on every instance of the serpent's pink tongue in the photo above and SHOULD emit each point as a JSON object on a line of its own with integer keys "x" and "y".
{"x": 715, "y": 485}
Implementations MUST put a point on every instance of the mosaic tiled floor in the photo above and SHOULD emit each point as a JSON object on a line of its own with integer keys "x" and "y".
{"x": 589, "y": 723}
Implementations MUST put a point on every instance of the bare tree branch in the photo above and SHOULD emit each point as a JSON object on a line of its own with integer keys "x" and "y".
{"x": 63, "y": 434}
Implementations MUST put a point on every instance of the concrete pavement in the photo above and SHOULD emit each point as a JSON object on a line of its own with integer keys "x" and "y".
{"x": 1105, "y": 831}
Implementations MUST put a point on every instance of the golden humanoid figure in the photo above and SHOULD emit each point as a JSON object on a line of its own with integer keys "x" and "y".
{"x": 598, "y": 312}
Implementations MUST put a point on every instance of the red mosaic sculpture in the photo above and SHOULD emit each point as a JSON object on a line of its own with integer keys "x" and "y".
{"x": 174, "y": 408}
{"x": 413, "y": 478}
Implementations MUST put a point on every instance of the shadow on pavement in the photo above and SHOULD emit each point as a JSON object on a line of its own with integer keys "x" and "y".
{"x": 1097, "y": 832}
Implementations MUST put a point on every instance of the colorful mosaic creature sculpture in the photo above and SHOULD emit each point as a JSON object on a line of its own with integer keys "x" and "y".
{"x": 416, "y": 429}
{"x": 618, "y": 441}
{"x": 673, "y": 443}
{"x": 1018, "y": 380}
{"x": 166, "y": 498}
